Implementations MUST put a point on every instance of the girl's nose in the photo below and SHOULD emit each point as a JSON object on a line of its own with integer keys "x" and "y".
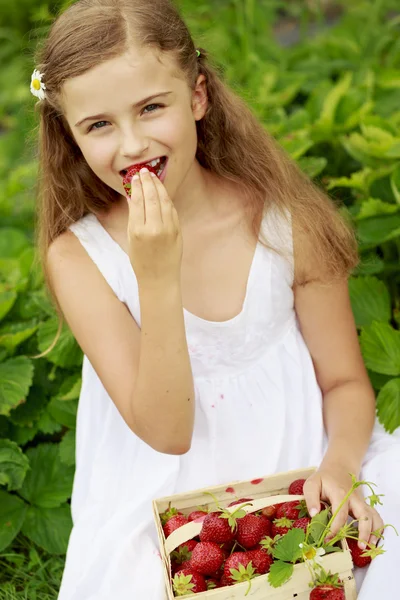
{"x": 133, "y": 143}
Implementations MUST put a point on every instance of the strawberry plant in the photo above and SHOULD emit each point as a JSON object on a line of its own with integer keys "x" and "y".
{"x": 332, "y": 101}
{"x": 254, "y": 549}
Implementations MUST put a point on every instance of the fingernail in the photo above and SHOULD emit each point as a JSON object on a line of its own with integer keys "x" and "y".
{"x": 135, "y": 177}
{"x": 313, "y": 512}
{"x": 152, "y": 174}
{"x": 362, "y": 546}
{"x": 144, "y": 170}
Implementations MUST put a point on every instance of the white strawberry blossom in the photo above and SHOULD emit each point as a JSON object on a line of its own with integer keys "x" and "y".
{"x": 312, "y": 555}
{"x": 37, "y": 85}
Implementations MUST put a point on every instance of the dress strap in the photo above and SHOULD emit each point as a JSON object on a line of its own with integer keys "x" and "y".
{"x": 276, "y": 231}
{"x": 98, "y": 244}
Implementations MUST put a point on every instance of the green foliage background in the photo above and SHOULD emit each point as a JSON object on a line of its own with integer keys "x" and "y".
{"x": 332, "y": 101}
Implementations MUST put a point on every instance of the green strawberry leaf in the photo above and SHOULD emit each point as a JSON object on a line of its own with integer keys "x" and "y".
{"x": 12, "y": 515}
{"x": 317, "y": 526}
{"x": 49, "y": 528}
{"x": 49, "y": 482}
{"x": 16, "y": 377}
{"x": 388, "y": 405}
{"x": 380, "y": 345}
{"x": 279, "y": 573}
{"x": 288, "y": 547}
{"x": 14, "y": 465}
{"x": 370, "y": 300}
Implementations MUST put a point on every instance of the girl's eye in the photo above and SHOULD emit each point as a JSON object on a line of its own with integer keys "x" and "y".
{"x": 150, "y": 105}
{"x": 96, "y": 125}
{"x": 100, "y": 124}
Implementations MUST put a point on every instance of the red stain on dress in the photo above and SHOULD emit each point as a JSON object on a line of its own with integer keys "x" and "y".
{"x": 256, "y": 481}
{"x": 230, "y": 490}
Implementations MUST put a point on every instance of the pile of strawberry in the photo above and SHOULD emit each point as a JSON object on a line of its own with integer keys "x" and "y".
{"x": 232, "y": 549}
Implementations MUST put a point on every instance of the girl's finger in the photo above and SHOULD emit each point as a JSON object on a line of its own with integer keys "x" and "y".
{"x": 378, "y": 526}
{"x": 136, "y": 202}
{"x": 312, "y": 494}
{"x": 341, "y": 517}
{"x": 151, "y": 199}
{"x": 166, "y": 205}
{"x": 364, "y": 526}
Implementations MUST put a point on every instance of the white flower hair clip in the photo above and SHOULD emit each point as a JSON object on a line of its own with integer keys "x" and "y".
{"x": 37, "y": 85}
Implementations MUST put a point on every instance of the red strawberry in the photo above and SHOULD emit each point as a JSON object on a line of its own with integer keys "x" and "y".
{"x": 356, "y": 554}
{"x": 328, "y": 586}
{"x": 126, "y": 181}
{"x": 296, "y": 487}
{"x": 240, "y": 501}
{"x": 302, "y": 523}
{"x": 227, "y": 547}
{"x": 196, "y": 514}
{"x": 212, "y": 583}
{"x": 261, "y": 560}
{"x": 269, "y": 511}
{"x": 289, "y": 510}
{"x": 225, "y": 581}
{"x": 232, "y": 564}
{"x": 216, "y": 529}
{"x": 188, "y": 581}
{"x": 175, "y": 568}
{"x": 168, "y": 514}
{"x": 183, "y": 552}
{"x": 327, "y": 592}
{"x": 251, "y": 529}
{"x": 207, "y": 558}
{"x": 174, "y": 523}
{"x": 281, "y": 526}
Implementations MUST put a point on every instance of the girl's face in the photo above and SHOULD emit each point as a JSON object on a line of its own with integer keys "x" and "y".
{"x": 133, "y": 109}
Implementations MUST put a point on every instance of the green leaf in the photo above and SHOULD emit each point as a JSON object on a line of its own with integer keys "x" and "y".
{"x": 64, "y": 412}
{"x": 395, "y": 184}
{"x": 12, "y": 515}
{"x": 28, "y": 412}
{"x": 331, "y": 102}
{"x": 13, "y": 334}
{"x": 12, "y": 242}
{"x": 14, "y": 465}
{"x": 7, "y": 299}
{"x": 388, "y": 405}
{"x": 279, "y": 573}
{"x": 370, "y": 300}
{"x": 376, "y": 230}
{"x": 287, "y": 548}
{"x": 380, "y": 345}
{"x": 318, "y": 525}
{"x": 47, "y": 424}
{"x": 49, "y": 528}
{"x": 49, "y": 483}
{"x": 16, "y": 377}
{"x": 67, "y": 448}
{"x": 66, "y": 352}
{"x": 312, "y": 165}
{"x": 374, "y": 207}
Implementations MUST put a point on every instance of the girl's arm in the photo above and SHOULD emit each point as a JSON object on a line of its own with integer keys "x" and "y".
{"x": 327, "y": 324}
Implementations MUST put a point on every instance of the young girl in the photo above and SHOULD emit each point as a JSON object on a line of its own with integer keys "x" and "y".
{"x": 211, "y": 304}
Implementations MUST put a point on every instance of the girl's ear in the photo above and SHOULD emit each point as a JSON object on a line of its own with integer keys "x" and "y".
{"x": 199, "y": 98}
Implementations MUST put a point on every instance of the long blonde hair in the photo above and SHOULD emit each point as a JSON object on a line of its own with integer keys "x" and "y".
{"x": 232, "y": 143}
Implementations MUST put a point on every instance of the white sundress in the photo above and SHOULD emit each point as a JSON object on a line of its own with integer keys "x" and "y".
{"x": 258, "y": 412}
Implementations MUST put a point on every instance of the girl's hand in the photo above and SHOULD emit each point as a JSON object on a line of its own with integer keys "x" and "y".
{"x": 154, "y": 234}
{"x": 331, "y": 483}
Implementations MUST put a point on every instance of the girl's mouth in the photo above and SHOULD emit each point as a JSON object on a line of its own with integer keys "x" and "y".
{"x": 156, "y": 166}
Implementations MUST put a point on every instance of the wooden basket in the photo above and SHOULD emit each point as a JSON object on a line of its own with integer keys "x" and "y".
{"x": 264, "y": 492}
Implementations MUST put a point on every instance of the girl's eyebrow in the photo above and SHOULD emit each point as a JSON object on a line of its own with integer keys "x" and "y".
{"x": 137, "y": 105}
